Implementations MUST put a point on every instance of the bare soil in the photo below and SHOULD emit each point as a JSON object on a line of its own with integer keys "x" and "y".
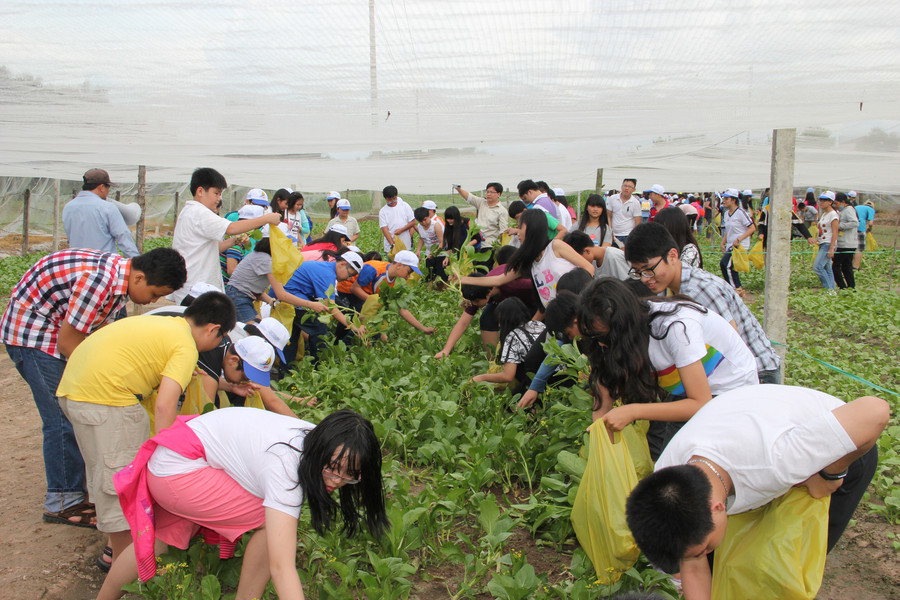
{"x": 41, "y": 561}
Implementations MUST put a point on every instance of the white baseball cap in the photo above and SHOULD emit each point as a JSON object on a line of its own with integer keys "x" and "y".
{"x": 258, "y": 356}
{"x": 276, "y": 334}
{"x": 332, "y": 195}
{"x": 829, "y": 195}
{"x": 250, "y": 211}
{"x": 343, "y": 203}
{"x": 658, "y": 189}
{"x": 405, "y": 257}
{"x": 341, "y": 229}
{"x": 559, "y": 191}
{"x": 748, "y": 192}
{"x": 258, "y": 196}
{"x": 731, "y": 193}
{"x": 200, "y": 288}
{"x": 354, "y": 260}
{"x": 852, "y": 193}
{"x": 354, "y": 248}
{"x": 429, "y": 205}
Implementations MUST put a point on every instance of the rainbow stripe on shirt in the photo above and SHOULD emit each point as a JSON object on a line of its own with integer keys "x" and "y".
{"x": 670, "y": 380}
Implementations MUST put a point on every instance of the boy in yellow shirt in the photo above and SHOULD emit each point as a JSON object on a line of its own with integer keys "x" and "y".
{"x": 109, "y": 371}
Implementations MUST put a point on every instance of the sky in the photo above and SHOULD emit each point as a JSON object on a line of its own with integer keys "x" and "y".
{"x": 520, "y": 88}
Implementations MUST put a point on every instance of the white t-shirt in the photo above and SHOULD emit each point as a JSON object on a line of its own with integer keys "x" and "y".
{"x": 547, "y": 271}
{"x": 197, "y": 236}
{"x": 565, "y": 218}
{"x": 248, "y": 444}
{"x": 430, "y": 238}
{"x": 623, "y": 213}
{"x": 825, "y": 220}
{"x": 767, "y": 437}
{"x": 691, "y": 336}
{"x": 394, "y": 218}
{"x": 614, "y": 265}
{"x": 736, "y": 224}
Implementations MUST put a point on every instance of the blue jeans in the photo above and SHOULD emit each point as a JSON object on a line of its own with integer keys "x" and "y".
{"x": 822, "y": 268}
{"x": 63, "y": 465}
{"x": 728, "y": 272}
{"x": 243, "y": 304}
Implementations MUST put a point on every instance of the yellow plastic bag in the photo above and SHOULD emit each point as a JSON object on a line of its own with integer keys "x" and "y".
{"x": 397, "y": 247}
{"x": 636, "y": 439}
{"x": 740, "y": 262}
{"x": 598, "y": 515}
{"x": 195, "y": 400}
{"x": 775, "y": 551}
{"x": 254, "y": 400}
{"x": 285, "y": 255}
{"x": 871, "y": 243}
{"x": 758, "y": 255}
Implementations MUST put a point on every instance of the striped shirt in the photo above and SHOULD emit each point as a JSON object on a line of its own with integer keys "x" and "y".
{"x": 716, "y": 294}
{"x": 85, "y": 288}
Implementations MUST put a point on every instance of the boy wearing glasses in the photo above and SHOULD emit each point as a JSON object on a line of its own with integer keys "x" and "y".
{"x": 107, "y": 374}
{"x": 92, "y": 222}
{"x": 200, "y": 231}
{"x": 653, "y": 255}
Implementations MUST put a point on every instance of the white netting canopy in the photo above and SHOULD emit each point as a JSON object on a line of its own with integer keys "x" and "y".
{"x": 425, "y": 93}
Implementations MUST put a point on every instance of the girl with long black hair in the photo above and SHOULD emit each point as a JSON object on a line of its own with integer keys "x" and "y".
{"x": 594, "y": 221}
{"x": 236, "y": 470}
{"x": 676, "y": 223}
{"x": 519, "y": 333}
{"x": 647, "y": 351}
{"x": 547, "y": 260}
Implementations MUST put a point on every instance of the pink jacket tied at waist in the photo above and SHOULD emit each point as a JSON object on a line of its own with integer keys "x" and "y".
{"x": 137, "y": 503}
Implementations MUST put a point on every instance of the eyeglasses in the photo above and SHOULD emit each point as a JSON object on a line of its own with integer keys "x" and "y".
{"x": 645, "y": 273}
{"x": 600, "y": 338}
{"x": 335, "y": 476}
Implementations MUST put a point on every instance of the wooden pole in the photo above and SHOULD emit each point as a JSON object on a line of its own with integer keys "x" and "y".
{"x": 56, "y": 217}
{"x": 376, "y": 202}
{"x": 175, "y": 220}
{"x": 25, "y": 223}
{"x": 778, "y": 238}
{"x": 598, "y": 186}
{"x": 142, "y": 202}
{"x": 894, "y": 253}
{"x": 233, "y": 199}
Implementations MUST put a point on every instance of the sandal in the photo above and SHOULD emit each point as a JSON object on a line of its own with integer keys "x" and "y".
{"x": 104, "y": 561}
{"x": 82, "y": 514}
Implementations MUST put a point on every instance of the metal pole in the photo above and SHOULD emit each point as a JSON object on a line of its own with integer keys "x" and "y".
{"x": 778, "y": 238}
{"x": 175, "y": 220}
{"x": 25, "y": 220}
{"x": 56, "y": 216}
{"x": 373, "y": 74}
{"x": 142, "y": 202}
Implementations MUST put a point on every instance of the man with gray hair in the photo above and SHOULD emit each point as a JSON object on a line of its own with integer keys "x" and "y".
{"x": 93, "y": 223}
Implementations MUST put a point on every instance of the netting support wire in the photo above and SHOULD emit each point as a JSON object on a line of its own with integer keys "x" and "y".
{"x": 142, "y": 202}
{"x": 25, "y": 209}
{"x": 778, "y": 257}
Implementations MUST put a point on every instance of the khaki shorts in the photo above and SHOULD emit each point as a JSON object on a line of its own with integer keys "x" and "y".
{"x": 109, "y": 438}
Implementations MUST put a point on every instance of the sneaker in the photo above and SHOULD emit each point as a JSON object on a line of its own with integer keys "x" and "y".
{"x": 832, "y": 292}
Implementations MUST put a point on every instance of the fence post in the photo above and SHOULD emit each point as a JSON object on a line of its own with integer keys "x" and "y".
{"x": 56, "y": 217}
{"x": 598, "y": 186}
{"x": 175, "y": 220}
{"x": 142, "y": 202}
{"x": 778, "y": 238}
{"x": 25, "y": 224}
{"x": 233, "y": 199}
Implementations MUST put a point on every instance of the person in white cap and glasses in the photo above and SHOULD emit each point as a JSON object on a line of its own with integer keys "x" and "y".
{"x": 828, "y": 223}
{"x": 377, "y": 273}
{"x": 313, "y": 282}
{"x": 738, "y": 227}
{"x": 331, "y": 198}
{"x": 200, "y": 231}
{"x": 94, "y": 223}
{"x": 343, "y": 218}
{"x": 658, "y": 198}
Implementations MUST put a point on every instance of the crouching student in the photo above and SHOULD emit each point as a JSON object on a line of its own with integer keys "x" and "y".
{"x": 663, "y": 358}
{"x": 607, "y": 261}
{"x": 744, "y": 449}
{"x": 376, "y": 273}
{"x": 653, "y": 253}
{"x": 486, "y": 299}
{"x": 111, "y": 369}
{"x": 237, "y": 470}
{"x": 431, "y": 235}
{"x": 519, "y": 333}
{"x": 312, "y": 282}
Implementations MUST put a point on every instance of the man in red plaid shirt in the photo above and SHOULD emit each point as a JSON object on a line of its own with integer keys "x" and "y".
{"x": 57, "y": 303}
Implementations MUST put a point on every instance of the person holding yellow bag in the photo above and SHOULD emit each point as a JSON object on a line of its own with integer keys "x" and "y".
{"x": 743, "y": 450}
{"x": 738, "y": 227}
